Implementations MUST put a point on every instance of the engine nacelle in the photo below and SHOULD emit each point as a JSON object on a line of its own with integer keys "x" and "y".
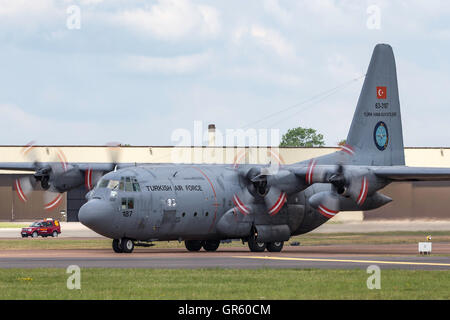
{"x": 375, "y": 201}
{"x": 234, "y": 225}
{"x": 271, "y": 233}
{"x": 67, "y": 180}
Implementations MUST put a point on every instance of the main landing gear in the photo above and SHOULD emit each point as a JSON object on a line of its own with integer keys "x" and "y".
{"x": 256, "y": 246}
{"x": 123, "y": 245}
{"x": 196, "y": 245}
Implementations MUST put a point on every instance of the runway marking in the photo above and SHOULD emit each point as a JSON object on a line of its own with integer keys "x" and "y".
{"x": 350, "y": 261}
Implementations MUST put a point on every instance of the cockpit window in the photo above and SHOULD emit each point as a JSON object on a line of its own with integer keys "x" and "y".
{"x": 113, "y": 184}
{"x": 129, "y": 184}
{"x": 127, "y": 203}
{"x": 103, "y": 183}
{"x": 110, "y": 184}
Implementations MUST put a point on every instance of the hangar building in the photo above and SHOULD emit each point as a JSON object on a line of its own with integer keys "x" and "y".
{"x": 417, "y": 200}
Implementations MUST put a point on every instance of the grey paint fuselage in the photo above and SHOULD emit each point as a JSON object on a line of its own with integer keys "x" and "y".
{"x": 179, "y": 202}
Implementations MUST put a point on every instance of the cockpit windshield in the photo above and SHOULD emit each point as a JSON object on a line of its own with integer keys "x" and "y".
{"x": 129, "y": 184}
{"x": 109, "y": 184}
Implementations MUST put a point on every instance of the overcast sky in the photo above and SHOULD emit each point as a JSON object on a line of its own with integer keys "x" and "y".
{"x": 136, "y": 71}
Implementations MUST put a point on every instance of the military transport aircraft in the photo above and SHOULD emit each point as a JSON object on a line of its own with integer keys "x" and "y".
{"x": 204, "y": 204}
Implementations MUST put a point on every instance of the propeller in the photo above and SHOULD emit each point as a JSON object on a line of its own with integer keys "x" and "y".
{"x": 57, "y": 176}
{"x": 354, "y": 183}
{"x": 262, "y": 185}
{"x": 43, "y": 174}
{"x": 346, "y": 180}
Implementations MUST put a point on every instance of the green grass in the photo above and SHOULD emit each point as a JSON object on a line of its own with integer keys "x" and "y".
{"x": 223, "y": 284}
{"x": 12, "y": 225}
{"x": 307, "y": 239}
{"x": 53, "y": 243}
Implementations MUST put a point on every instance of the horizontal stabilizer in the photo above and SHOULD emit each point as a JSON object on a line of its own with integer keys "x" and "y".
{"x": 402, "y": 173}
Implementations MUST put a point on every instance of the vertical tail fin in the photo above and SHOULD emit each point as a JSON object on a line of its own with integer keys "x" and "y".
{"x": 376, "y": 130}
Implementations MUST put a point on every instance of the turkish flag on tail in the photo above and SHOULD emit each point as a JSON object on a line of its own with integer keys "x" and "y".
{"x": 381, "y": 93}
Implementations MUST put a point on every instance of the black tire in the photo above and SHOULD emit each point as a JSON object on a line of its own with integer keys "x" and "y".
{"x": 55, "y": 234}
{"x": 127, "y": 245}
{"x": 35, "y": 234}
{"x": 211, "y": 245}
{"x": 256, "y": 246}
{"x": 276, "y": 246}
{"x": 193, "y": 245}
{"x": 117, "y": 246}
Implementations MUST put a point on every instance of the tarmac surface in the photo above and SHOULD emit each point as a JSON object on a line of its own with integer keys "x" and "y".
{"x": 342, "y": 256}
{"x": 404, "y": 256}
{"x": 77, "y": 230}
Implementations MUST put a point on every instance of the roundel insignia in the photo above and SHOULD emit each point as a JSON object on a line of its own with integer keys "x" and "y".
{"x": 381, "y": 135}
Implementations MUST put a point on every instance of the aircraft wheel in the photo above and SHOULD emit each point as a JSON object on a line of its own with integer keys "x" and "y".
{"x": 276, "y": 246}
{"x": 193, "y": 245}
{"x": 127, "y": 245}
{"x": 255, "y": 246}
{"x": 211, "y": 245}
{"x": 117, "y": 246}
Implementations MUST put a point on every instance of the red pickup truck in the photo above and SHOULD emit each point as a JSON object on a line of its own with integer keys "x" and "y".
{"x": 44, "y": 228}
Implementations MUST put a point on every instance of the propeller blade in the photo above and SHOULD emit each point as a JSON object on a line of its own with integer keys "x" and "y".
{"x": 24, "y": 186}
{"x": 274, "y": 200}
{"x": 91, "y": 177}
{"x": 114, "y": 153}
{"x": 316, "y": 173}
{"x": 243, "y": 201}
{"x": 358, "y": 189}
{"x": 52, "y": 200}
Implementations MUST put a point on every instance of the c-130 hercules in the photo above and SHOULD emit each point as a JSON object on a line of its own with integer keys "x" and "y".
{"x": 204, "y": 204}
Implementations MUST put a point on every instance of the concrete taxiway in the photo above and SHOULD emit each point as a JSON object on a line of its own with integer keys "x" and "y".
{"x": 329, "y": 257}
{"x": 77, "y": 230}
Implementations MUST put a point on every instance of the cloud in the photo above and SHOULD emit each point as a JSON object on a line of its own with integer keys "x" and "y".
{"x": 265, "y": 37}
{"x": 29, "y": 16}
{"x": 273, "y": 8}
{"x": 24, "y": 7}
{"x": 172, "y": 20}
{"x": 24, "y": 126}
{"x": 168, "y": 65}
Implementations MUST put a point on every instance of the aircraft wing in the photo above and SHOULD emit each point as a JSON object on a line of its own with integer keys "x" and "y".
{"x": 402, "y": 173}
{"x": 31, "y": 166}
{"x": 18, "y": 166}
{"x": 96, "y": 166}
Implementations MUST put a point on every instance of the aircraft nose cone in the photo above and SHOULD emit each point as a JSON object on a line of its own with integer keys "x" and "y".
{"x": 97, "y": 215}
